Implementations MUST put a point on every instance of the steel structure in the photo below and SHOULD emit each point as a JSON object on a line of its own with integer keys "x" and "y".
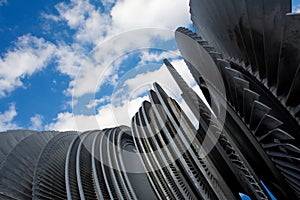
{"x": 255, "y": 46}
{"x": 245, "y": 56}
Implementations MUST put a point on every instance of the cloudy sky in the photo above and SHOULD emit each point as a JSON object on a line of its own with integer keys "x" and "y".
{"x": 79, "y": 65}
{"x": 83, "y": 64}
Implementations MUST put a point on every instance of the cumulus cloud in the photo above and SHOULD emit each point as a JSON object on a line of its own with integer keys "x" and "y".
{"x": 91, "y": 25}
{"x": 88, "y": 22}
{"x": 7, "y": 117}
{"x": 31, "y": 54}
{"x": 74, "y": 12}
{"x": 133, "y": 14}
{"x": 94, "y": 29}
{"x": 111, "y": 35}
{"x": 36, "y": 122}
{"x": 69, "y": 59}
{"x": 108, "y": 32}
{"x": 158, "y": 57}
{"x": 107, "y": 116}
{"x": 64, "y": 122}
{"x": 104, "y": 61}
{"x": 94, "y": 102}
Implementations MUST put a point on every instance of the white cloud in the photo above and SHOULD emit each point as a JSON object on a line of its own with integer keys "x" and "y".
{"x": 133, "y": 14}
{"x": 108, "y": 29}
{"x": 93, "y": 103}
{"x": 91, "y": 26}
{"x": 75, "y": 12}
{"x": 6, "y": 118}
{"x": 107, "y": 116}
{"x": 89, "y": 78}
{"x": 69, "y": 59}
{"x": 94, "y": 28}
{"x": 63, "y": 122}
{"x": 30, "y": 55}
{"x": 89, "y": 23}
{"x": 50, "y": 16}
{"x": 104, "y": 61}
{"x": 155, "y": 57}
{"x": 36, "y": 122}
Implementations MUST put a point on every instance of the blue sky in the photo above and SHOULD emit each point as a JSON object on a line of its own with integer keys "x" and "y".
{"x": 62, "y": 62}
{"x": 69, "y": 65}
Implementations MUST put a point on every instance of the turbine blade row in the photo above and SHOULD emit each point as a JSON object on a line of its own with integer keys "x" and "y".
{"x": 251, "y": 104}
